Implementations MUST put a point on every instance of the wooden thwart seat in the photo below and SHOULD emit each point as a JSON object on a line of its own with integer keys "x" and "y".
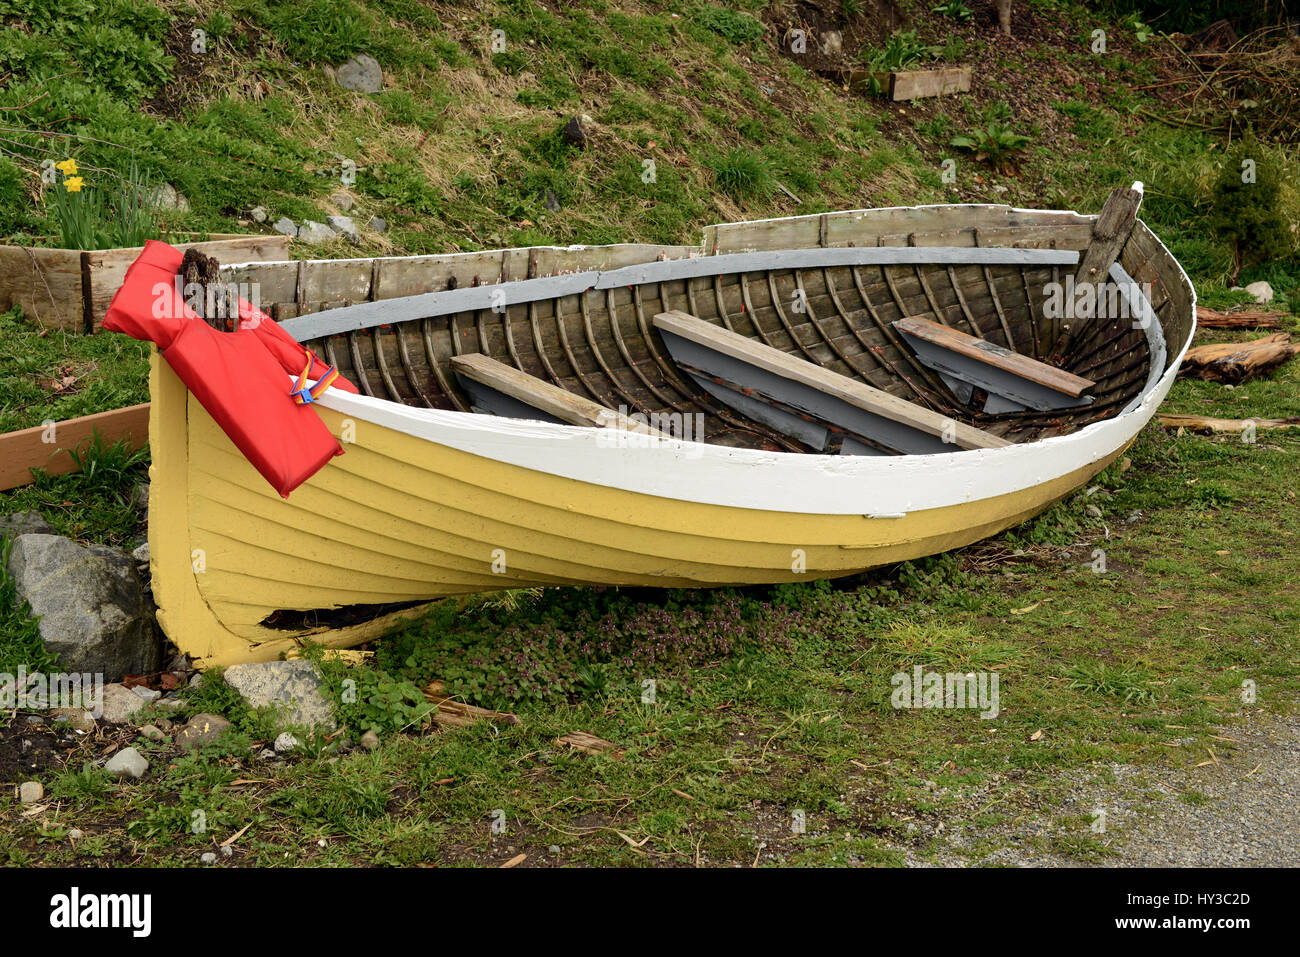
{"x": 748, "y": 367}
{"x": 504, "y": 390}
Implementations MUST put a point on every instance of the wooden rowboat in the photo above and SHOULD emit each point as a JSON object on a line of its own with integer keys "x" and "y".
{"x": 794, "y": 398}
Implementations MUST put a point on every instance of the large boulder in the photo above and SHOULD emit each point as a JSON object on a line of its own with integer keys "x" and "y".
{"x": 295, "y": 687}
{"x": 92, "y": 606}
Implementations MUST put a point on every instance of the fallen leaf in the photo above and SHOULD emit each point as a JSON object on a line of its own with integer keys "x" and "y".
{"x": 1036, "y": 735}
{"x": 1026, "y": 610}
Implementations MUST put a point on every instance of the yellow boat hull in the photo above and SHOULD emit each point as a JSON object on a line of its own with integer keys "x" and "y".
{"x": 401, "y": 519}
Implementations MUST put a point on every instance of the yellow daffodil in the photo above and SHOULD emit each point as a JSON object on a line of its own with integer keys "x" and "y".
{"x": 68, "y": 167}
{"x": 73, "y": 184}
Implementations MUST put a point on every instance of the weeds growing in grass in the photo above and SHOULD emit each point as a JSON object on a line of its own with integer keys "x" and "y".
{"x": 995, "y": 142}
{"x": 1131, "y": 685}
{"x": 742, "y": 174}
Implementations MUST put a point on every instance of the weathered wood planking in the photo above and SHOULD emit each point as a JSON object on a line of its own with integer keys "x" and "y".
{"x": 990, "y": 353}
{"x": 851, "y": 391}
{"x": 539, "y": 394}
{"x": 914, "y": 84}
{"x": 929, "y": 225}
{"x": 70, "y": 289}
{"x": 47, "y": 446}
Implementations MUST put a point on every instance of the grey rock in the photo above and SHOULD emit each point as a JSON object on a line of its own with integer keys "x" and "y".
{"x": 200, "y": 730}
{"x": 153, "y": 733}
{"x": 378, "y": 224}
{"x": 343, "y": 201}
{"x": 285, "y": 742}
{"x": 76, "y": 834}
{"x": 314, "y": 232}
{"x": 285, "y": 226}
{"x": 127, "y": 763}
{"x": 29, "y": 792}
{"x": 344, "y": 226}
{"x": 166, "y": 196}
{"x": 141, "y": 554}
{"x": 370, "y": 740}
{"x": 24, "y": 523}
{"x": 227, "y": 851}
{"x": 1262, "y": 291}
{"x": 553, "y": 849}
{"x": 362, "y": 74}
{"x": 208, "y": 857}
{"x": 832, "y": 42}
{"x": 550, "y": 199}
{"x": 293, "y": 686}
{"x": 259, "y": 214}
{"x": 120, "y": 704}
{"x": 92, "y": 606}
{"x": 266, "y": 754}
{"x": 79, "y": 719}
{"x": 140, "y": 499}
{"x": 149, "y": 695}
{"x": 574, "y": 134}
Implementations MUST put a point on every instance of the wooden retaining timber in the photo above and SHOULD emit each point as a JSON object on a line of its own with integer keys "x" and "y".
{"x": 596, "y": 340}
{"x": 900, "y": 85}
{"x": 47, "y": 447}
{"x": 70, "y": 289}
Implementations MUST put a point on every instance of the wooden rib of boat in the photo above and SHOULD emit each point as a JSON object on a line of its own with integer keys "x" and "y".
{"x": 812, "y": 433}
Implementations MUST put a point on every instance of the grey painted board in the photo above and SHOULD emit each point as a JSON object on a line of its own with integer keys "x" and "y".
{"x": 851, "y": 446}
{"x": 787, "y": 423}
{"x": 962, "y": 390}
{"x": 1155, "y": 333}
{"x": 802, "y": 398}
{"x": 997, "y": 404}
{"x": 992, "y": 379}
{"x": 496, "y": 297}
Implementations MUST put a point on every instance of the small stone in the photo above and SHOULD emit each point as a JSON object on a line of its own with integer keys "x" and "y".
{"x": 343, "y": 201}
{"x": 285, "y": 226}
{"x": 201, "y": 729}
{"x": 361, "y": 74}
{"x": 314, "y": 232}
{"x": 1094, "y": 511}
{"x": 550, "y": 199}
{"x": 378, "y": 224}
{"x": 574, "y": 134}
{"x": 293, "y": 685}
{"x": 208, "y": 858}
{"x": 259, "y": 214}
{"x": 171, "y": 704}
{"x": 79, "y": 719}
{"x": 127, "y": 763}
{"x": 370, "y": 740}
{"x": 141, "y": 554}
{"x": 266, "y": 754}
{"x": 166, "y": 196}
{"x": 150, "y": 695}
{"x": 140, "y": 497}
{"x": 76, "y": 834}
{"x": 196, "y": 679}
{"x": 1262, "y": 291}
{"x": 344, "y": 226}
{"x": 227, "y": 851}
{"x": 832, "y": 42}
{"x": 554, "y": 849}
{"x": 285, "y": 742}
{"x": 153, "y": 733}
{"x": 29, "y": 792}
{"x": 35, "y": 719}
{"x": 120, "y": 704}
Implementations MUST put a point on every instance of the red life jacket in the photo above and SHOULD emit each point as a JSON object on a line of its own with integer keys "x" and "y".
{"x": 239, "y": 377}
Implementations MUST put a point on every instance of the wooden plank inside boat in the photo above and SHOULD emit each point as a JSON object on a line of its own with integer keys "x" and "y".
{"x": 542, "y": 396}
{"x": 849, "y": 391}
{"x": 994, "y": 355}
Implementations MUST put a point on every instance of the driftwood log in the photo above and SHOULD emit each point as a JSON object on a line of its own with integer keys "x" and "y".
{"x": 1233, "y": 362}
{"x": 1206, "y": 423}
{"x": 1212, "y": 319}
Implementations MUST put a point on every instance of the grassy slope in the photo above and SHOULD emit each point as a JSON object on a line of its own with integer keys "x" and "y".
{"x": 768, "y": 700}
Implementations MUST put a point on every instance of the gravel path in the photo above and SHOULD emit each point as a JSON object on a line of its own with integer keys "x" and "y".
{"x": 1240, "y": 809}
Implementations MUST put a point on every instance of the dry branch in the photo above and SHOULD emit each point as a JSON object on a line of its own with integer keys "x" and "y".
{"x": 1206, "y": 423}
{"x": 1211, "y": 319}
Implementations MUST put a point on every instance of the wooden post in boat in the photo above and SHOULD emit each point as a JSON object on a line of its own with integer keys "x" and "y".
{"x": 1109, "y": 234}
